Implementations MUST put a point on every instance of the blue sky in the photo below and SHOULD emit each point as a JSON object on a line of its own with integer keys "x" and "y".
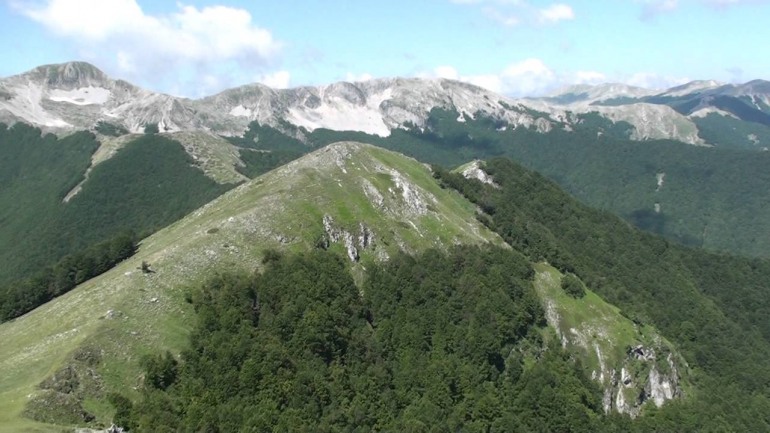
{"x": 516, "y": 47}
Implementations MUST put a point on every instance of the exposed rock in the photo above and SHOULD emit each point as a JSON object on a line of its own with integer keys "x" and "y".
{"x": 474, "y": 170}
{"x": 641, "y": 380}
{"x": 415, "y": 201}
{"x": 353, "y": 242}
{"x": 372, "y": 193}
{"x": 60, "y": 397}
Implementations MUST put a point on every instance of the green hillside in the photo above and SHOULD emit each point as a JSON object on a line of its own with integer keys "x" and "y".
{"x": 715, "y": 198}
{"x": 48, "y": 231}
{"x": 36, "y": 172}
{"x": 368, "y": 312}
{"x": 708, "y": 305}
{"x": 358, "y": 201}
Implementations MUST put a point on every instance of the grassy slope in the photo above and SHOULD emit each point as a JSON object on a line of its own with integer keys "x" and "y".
{"x": 596, "y": 330}
{"x": 282, "y": 209}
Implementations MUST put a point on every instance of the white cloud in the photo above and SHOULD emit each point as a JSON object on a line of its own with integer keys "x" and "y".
{"x": 119, "y": 36}
{"x": 532, "y": 77}
{"x": 505, "y": 18}
{"x": 556, "y": 13}
{"x": 649, "y": 80}
{"x": 514, "y": 12}
{"x": 653, "y": 8}
{"x": 352, "y": 78}
{"x": 527, "y": 77}
{"x": 524, "y": 78}
{"x": 589, "y": 77}
{"x": 446, "y": 72}
{"x": 490, "y": 82}
{"x": 276, "y": 80}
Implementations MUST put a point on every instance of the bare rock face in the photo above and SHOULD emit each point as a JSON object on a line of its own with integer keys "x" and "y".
{"x": 353, "y": 242}
{"x": 475, "y": 170}
{"x": 644, "y": 377}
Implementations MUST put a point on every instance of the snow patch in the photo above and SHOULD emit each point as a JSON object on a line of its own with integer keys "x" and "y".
{"x": 82, "y": 96}
{"x": 241, "y": 111}
{"x": 705, "y": 111}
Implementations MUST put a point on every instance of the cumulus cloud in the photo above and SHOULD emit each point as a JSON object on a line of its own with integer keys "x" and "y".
{"x": 276, "y": 80}
{"x": 556, "y": 13}
{"x": 650, "y": 80}
{"x": 526, "y": 77}
{"x": 589, "y": 77}
{"x": 191, "y": 42}
{"x": 514, "y": 12}
{"x": 352, "y": 78}
{"x": 653, "y": 8}
{"x": 446, "y": 72}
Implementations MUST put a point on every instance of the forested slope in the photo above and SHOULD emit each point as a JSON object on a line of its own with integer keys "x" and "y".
{"x": 148, "y": 184}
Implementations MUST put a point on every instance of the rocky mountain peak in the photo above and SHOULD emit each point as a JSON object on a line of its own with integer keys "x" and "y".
{"x": 70, "y": 75}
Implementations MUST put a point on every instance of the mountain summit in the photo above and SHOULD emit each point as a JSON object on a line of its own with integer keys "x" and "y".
{"x": 70, "y": 76}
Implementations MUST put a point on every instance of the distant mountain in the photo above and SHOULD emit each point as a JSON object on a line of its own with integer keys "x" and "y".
{"x": 698, "y": 112}
{"x": 77, "y": 95}
{"x": 587, "y": 94}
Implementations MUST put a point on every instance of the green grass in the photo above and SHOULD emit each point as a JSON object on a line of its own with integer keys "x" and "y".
{"x": 150, "y": 313}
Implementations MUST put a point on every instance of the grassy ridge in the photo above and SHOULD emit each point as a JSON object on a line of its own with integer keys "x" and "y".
{"x": 128, "y": 313}
{"x": 716, "y": 198}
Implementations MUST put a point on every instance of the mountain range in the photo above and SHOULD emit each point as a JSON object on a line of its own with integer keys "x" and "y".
{"x": 78, "y": 95}
{"x": 308, "y": 258}
{"x": 684, "y": 193}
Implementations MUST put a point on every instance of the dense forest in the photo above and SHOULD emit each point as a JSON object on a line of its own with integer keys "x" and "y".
{"x": 438, "y": 342}
{"x": 456, "y": 340}
{"x": 441, "y": 341}
{"x": 19, "y": 297}
{"x": 710, "y": 305}
{"x": 36, "y": 173}
{"x": 50, "y": 245}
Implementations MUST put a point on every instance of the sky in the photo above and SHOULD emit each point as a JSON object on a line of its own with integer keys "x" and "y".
{"x": 195, "y": 48}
